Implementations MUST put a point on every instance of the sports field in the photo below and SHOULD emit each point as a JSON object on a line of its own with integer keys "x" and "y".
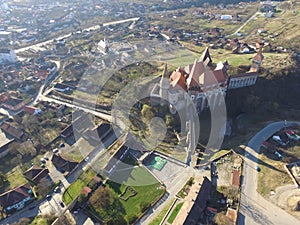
{"x": 158, "y": 163}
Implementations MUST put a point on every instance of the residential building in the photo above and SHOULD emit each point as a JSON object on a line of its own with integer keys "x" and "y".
{"x": 7, "y": 55}
{"x": 36, "y": 173}
{"x": 32, "y": 110}
{"x": 62, "y": 163}
{"x": 16, "y": 198}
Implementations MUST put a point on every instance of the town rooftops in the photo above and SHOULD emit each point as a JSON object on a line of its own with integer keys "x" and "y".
{"x": 11, "y": 130}
{"x": 195, "y": 202}
{"x": 62, "y": 163}
{"x": 32, "y": 110}
{"x": 36, "y": 173}
{"x": 15, "y": 195}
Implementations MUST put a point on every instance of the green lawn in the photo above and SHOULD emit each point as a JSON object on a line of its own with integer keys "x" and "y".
{"x": 145, "y": 194}
{"x": 15, "y": 177}
{"x": 75, "y": 188}
{"x": 175, "y": 212}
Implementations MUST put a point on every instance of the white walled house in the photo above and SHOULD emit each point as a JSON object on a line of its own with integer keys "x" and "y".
{"x": 7, "y": 55}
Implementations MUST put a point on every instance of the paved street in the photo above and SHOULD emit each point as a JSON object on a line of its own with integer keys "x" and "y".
{"x": 254, "y": 208}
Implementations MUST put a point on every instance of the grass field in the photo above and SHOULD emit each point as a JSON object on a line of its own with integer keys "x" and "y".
{"x": 75, "y": 188}
{"x": 175, "y": 212}
{"x": 15, "y": 178}
{"x": 268, "y": 178}
{"x": 145, "y": 194}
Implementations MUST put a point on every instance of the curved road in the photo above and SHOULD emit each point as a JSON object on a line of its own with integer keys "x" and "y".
{"x": 254, "y": 209}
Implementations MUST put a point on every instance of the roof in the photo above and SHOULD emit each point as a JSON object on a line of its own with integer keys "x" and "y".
{"x": 232, "y": 214}
{"x": 178, "y": 80}
{"x": 11, "y": 130}
{"x": 30, "y": 109}
{"x": 200, "y": 203}
{"x": 236, "y": 178}
{"x": 248, "y": 74}
{"x": 67, "y": 131}
{"x": 4, "y": 97}
{"x": 36, "y": 173}
{"x": 86, "y": 190}
{"x": 63, "y": 163}
{"x": 15, "y": 195}
{"x": 195, "y": 202}
{"x": 97, "y": 134}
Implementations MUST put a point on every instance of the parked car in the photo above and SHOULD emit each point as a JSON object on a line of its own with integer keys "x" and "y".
{"x": 46, "y": 158}
{"x": 257, "y": 168}
{"x": 62, "y": 145}
{"x": 55, "y": 150}
{"x": 279, "y": 141}
{"x": 57, "y": 189}
{"x": 292, "y": 135}
{"x": 48, "y": 197}
{"x": 62, "y": 204}
{"x": 42, "y": 160}
{"x": 278, "y": 155}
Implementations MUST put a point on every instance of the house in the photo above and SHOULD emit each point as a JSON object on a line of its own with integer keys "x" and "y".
{"x": 61, "y": 87}
{"x": 7, "y": 55}
{"x": 12, "y": 131}
{"x": 86, "y": 191}
{"x": 16, "y": 198}
{"x": 236, "y": 178}
{"x": 226, "y": 17}
{"x": 62, "y": 163}
{"x": 4, "y": 144}
{"x": 36, "y": 173}
{"x": 32, "y": 110}
{"x": 96, "y": 135}
{"x": 193, "y": 208}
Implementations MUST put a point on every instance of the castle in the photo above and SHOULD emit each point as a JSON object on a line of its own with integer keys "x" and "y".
{"x": 202, "y": 82}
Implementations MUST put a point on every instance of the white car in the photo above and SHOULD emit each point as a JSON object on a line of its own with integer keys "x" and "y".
{"x": 279, "y": 141}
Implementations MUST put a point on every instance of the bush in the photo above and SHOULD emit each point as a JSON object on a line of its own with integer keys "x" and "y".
{"x": 132, "y": 218}
{"x": 144, "y": 206}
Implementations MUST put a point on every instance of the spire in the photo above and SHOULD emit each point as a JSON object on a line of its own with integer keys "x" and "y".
{"x": 164, "y": 85}
{"x": 165, "y": 72}
{"x": 205, "y": 57}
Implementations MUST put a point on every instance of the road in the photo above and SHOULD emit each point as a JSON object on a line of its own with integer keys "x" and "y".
{"x": 39, "y": 45}
{"x": 247, "y": 21}
{"x": 254, "y": 209}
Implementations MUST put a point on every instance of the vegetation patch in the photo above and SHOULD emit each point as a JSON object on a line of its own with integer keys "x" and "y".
{"x": 175, "y": 212}
{"x": 114, "y": 210}
{"x": 75, "y": 188}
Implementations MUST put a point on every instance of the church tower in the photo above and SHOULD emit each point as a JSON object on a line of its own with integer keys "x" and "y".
{"x": 164, "y": 87}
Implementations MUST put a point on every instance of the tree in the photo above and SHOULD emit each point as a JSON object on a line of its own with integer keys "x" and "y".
{"x": 102, "y": 198}
{"x": 43, "y": 187}
{"x": 147, "y": 113}
{"x": 82, "y": 198}
{"x": 132, "y": 218}
{"x": 117, "y": 219}
{"x": 3, "y": 179}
